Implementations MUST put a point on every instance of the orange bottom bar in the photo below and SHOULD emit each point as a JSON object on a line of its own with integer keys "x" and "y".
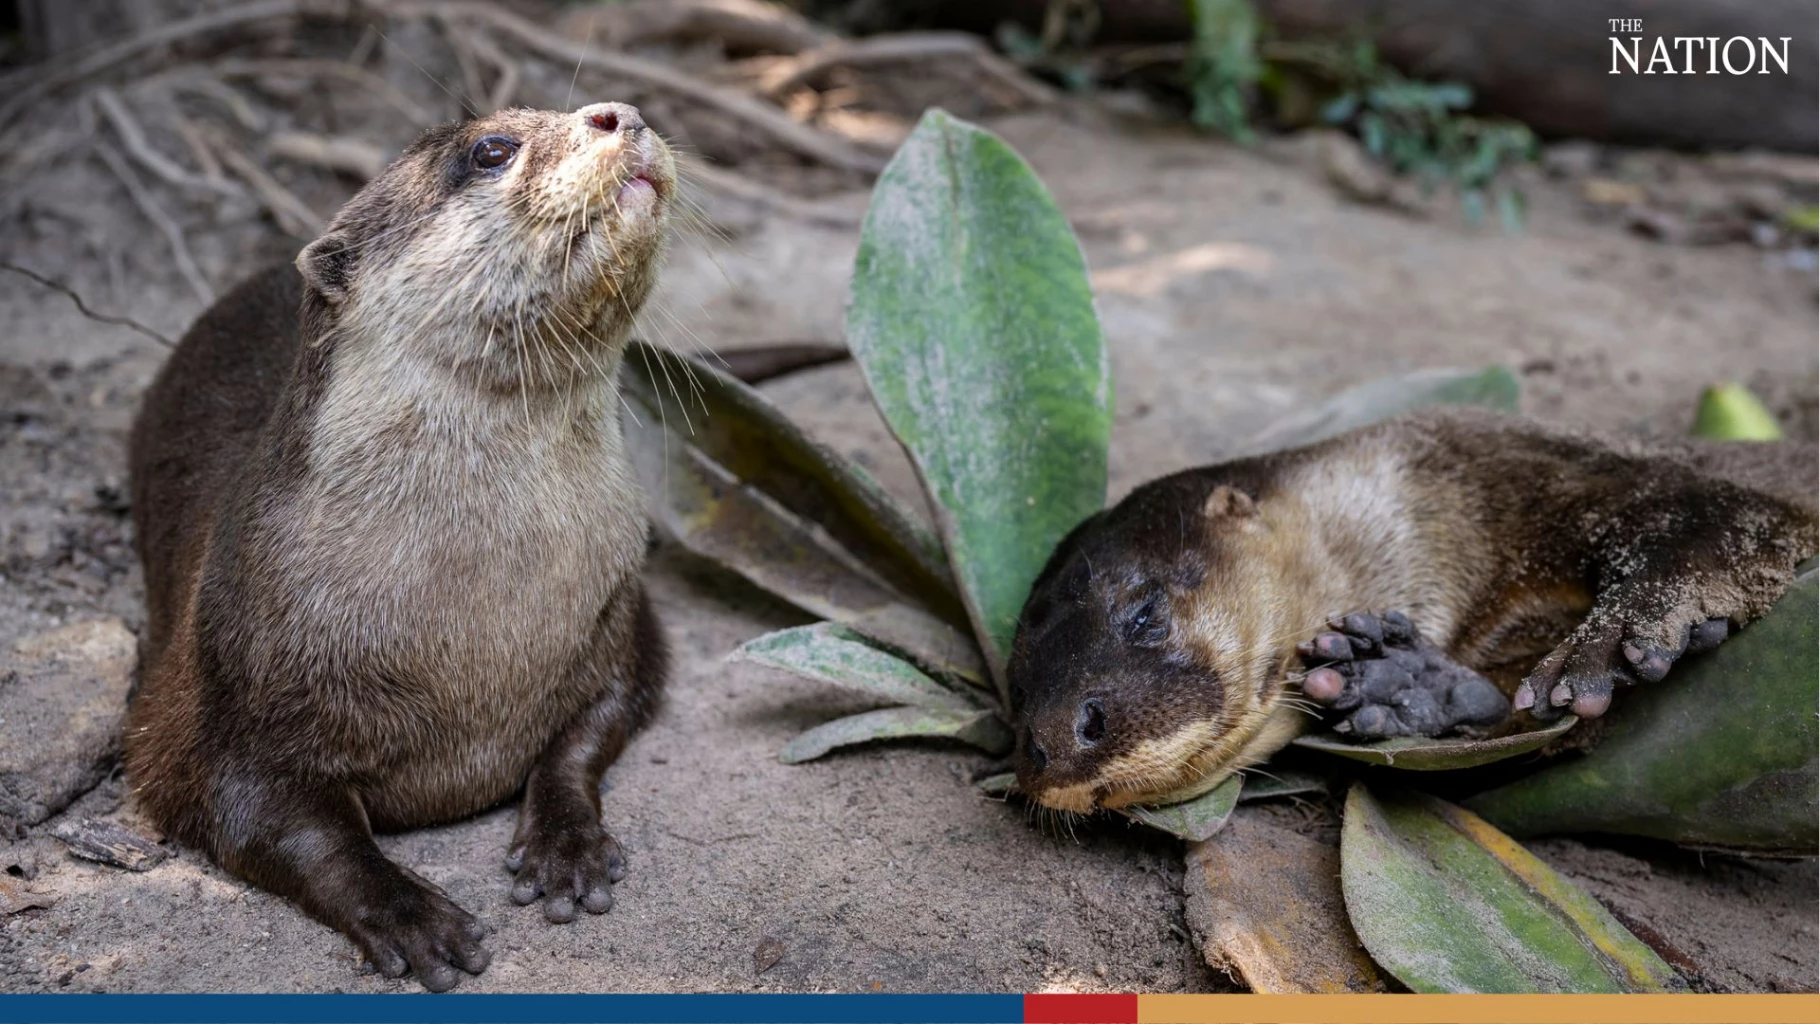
{"x": 1405, "y": 1009}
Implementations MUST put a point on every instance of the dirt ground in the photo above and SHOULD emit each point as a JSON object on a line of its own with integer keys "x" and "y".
{"x": 1234, "y": 285}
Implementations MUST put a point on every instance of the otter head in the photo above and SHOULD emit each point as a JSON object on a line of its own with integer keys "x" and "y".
{"x": 1146, "y": 667}
{"x": 514, "y": 249}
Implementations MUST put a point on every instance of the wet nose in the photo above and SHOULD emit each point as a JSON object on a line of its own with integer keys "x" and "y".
{"x": 613, "y": 117}
{"x": 1039, "y": 758}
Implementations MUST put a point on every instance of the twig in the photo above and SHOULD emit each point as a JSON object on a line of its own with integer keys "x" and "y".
{"x": 198, "y": 80}
{"x": 907, "y": 46}
{"x": 506, "y": 85}
{"x": 192, "y": 138}
{"x": 356, "y": 158}
{"x": 82, "y": 307}
{"x": 253, "y": 67}
{"x": 180, "y": 249}
{"x": 38, "y": 84}
{"x": 115, "y": 110}
{"x": 801, "y": 138}
{"x": 740, "y": 187}
{"x": 292, "y": 214}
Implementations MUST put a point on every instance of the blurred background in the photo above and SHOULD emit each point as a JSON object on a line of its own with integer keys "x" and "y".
{"x": 1277, "y": 199}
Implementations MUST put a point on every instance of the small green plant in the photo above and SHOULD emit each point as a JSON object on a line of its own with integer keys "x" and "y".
{"x": 972, "y": 320}
{"x": 1223, "y": 65}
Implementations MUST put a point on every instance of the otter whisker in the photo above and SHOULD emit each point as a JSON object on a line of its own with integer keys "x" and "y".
{"x": 438, "y": 82}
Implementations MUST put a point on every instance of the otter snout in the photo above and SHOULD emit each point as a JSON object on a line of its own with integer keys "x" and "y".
{"x": 1058, "y": 758}
{"x": 613, "y": 118}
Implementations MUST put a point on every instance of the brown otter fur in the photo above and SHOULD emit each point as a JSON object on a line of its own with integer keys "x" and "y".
{"x": 392, "y": 542}
{"x": 1155, "y": 652}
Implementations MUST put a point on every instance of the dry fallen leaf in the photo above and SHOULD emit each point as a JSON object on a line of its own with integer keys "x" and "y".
{"x": 1266, "y": 905}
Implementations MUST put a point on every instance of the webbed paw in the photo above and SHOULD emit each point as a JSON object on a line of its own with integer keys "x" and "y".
{"x": 565, "y": 864}
{"x": 1630, "y": 637}
{"x": 1391, "y": 682}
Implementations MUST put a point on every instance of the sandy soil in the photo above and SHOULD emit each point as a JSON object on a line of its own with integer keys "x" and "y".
{"x": 1234, "y": 285}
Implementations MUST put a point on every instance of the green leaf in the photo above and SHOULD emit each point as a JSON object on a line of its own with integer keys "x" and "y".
{"x": 1193, "y": 820}
{"x": 1447, "y": 903}
{"x": 1729, "y": 412}
{"x": 1270, "y": 782}
{"x": 998, "y": 785}
{"x": 1223, "y": 66}
{"x": 972, "y": 319}
{"x": 714, "y": 515}
{"x": 1420, "y": 754}
{"x": 981, "y": 729}
{"x": 741, "y": 431}
{"x": 1492, "y": 388}
{"x": 832, "y": 654}
{"x": 1721, "y": 753}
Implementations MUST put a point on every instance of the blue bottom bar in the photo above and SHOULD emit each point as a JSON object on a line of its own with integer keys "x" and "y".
{"x": 512, "y": 1009}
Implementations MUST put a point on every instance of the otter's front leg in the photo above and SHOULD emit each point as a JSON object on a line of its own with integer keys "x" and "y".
{"x": 308, "y": 840}
{"x": 1673, "y": 571}
{"x": 561, "y": 852}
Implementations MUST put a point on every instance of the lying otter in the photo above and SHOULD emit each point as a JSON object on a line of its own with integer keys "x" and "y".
{"x": 1154, "y": 655}
{"x": 393, "y": 542}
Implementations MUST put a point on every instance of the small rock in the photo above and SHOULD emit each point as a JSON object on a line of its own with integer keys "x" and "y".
{"x": 104, "y": 842}
{"x": 768, "y": 953}
{"x": 1351, "y": 170}
{"x": 14, "y": 897}
{"x": 1573, "y": 159}
{"x": 1610, "y": 192}
{"x": 62, "y": 708}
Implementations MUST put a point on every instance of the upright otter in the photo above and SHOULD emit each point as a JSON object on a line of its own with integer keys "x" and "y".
{"x": 1153, "y": 657}
{"x": 392, "y": 540}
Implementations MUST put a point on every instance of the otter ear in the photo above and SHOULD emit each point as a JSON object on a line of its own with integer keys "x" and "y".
{"x": 326, "y": 264}
{"x": 1226, "y": 503}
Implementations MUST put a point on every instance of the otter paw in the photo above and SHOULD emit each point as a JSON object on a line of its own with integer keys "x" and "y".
{"x": 1392, "y": 682}
{"x": 415, "y": 929}
{"x": 1607, "y": 652}
{"x": 566, "y": 865}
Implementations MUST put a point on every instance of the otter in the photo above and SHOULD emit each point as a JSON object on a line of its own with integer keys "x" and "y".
{"x": 1409, "y": 574}
{"x": 392, "y": 539}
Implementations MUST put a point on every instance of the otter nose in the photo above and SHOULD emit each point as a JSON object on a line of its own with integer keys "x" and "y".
{"x": 1039, "y": 758}
{"x": 613, "y": 117}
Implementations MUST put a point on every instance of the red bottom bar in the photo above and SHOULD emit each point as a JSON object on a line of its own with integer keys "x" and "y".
{"x": 1080, "y": 1009}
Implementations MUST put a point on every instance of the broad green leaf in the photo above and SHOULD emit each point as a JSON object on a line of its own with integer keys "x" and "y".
{"x": 1729, "y": 412}
{"x": 1492, "y": 388}
{"x": 1721, "y": 753}
{"x": 1447, "y": 903}
{"x": 1269, "y": 782}
{"x": 1193, "y": 820}
{"x": 998, "y": 785}
{"x": 716, "y": 516}
{"x": 1264, "y": 903}
{"x": 972, "y": 319}
{"x": 829, "y": 653}
{"x": 741, "y": 431}
{"x": 981, "y": 729}
{"x": 1427, "y": 755}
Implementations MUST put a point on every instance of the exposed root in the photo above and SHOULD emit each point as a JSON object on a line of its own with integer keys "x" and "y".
{"x": 125, "y": 122}
{"x": 788, "y": 75}
{"x": 292, "y": 214}
{"x": 760, "y": 116}
{"x": 356, "y": 158}
{"x": 180, "y": 248}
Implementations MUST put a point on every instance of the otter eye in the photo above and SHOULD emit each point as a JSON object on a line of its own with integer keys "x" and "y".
{"x": 494, "y": 153}
{"x": 1149, "y": 625}
{"x": 1090, "y": 722}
